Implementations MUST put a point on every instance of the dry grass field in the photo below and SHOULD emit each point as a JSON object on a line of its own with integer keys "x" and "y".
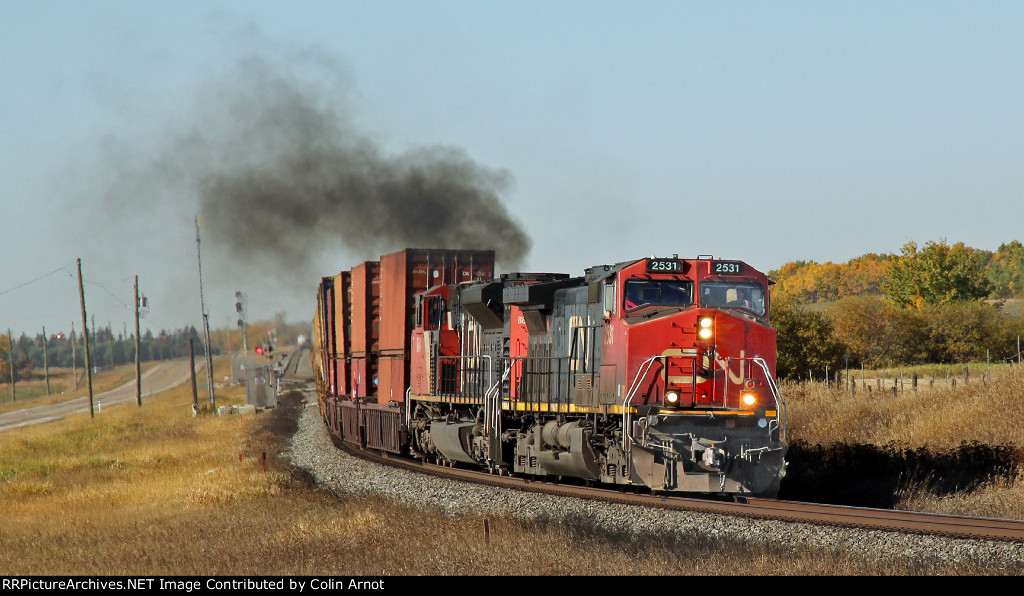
{"x": 154, "y": 490}
{"x": 971, "y": 434}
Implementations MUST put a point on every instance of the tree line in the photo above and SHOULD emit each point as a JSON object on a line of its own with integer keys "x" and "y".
{"x": 105, "y": 350}
{"x": 939, "y": 303}
{"x": 925, "y": 272}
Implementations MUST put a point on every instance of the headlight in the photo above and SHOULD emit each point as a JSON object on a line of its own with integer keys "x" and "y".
{"x": 748, "y": 399}
{"x": 705, "y": 328}
{"x": 672, "y": 398}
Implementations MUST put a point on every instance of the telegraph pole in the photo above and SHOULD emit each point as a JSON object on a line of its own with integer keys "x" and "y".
{"x": 46, "y": 361}
{"x": 10, "y": 359}
{"x": 74, "y": 356}
{"x": 85, "y": 335}
{"x": 192, "y": 368}
{"x": 206, "y": 321}
{"x": 138, "y": 346}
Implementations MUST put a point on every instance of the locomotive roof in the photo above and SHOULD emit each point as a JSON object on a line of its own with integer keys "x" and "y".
{"x": 601, "y": 272}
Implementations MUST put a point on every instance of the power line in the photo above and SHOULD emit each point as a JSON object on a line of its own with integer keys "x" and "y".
{"x": 96, "y": 283}
{"x": 40, "y": 278}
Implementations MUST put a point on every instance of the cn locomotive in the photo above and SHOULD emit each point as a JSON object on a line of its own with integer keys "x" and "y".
{"x": 655, "y": 373}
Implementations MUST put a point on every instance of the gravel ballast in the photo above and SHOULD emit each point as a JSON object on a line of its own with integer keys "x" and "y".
{"x": 333, "y": 470}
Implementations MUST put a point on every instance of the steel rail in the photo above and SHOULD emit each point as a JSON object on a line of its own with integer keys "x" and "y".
{"x": 790, "y": 511}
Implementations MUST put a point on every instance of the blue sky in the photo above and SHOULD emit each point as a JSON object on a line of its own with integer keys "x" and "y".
{"x": 761, "y": 131}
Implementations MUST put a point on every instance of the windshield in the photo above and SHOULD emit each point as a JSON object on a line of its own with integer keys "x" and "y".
{"x": 657, "y": 292}
{"x": 748, "y": 296}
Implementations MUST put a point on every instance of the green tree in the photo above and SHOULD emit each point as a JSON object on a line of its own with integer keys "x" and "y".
{"x": 937, "y": 274}
{"x": 804, "y": 341}
{"x": 877, "y": 332}
{"x": 970, "y": 331}
{"x": 23, "y": 366}
{"x": 1006, "y": 270}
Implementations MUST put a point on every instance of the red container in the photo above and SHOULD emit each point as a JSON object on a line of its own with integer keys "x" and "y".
{"x": 403, "y": 275}
{"x": 322, "y": 334}
{"x": 364, "y": 305}
{"x": 342, "y": 332}
{"x": 330, "y": 347}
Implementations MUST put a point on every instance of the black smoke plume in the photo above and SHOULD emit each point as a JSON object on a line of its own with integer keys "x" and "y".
{"x": 287, "y": 187}
{"x": 285, "y": 178}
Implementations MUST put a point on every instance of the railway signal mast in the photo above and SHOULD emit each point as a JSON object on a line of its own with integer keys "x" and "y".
{"x": 242, "y": 323}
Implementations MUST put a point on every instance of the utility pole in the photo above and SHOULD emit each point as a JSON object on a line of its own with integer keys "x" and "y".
{"x": 138, "y": 346}
{"x": 10, "y": 359}
{"x": 192, "y": 368}
{"x": 206, "y": 322}
{"x": 74, "y": 356}
{"x": 46, "y": 361}
{"x": 85, "y": 335}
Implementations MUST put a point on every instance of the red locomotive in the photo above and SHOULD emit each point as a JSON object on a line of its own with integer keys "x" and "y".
{"x": 658, "y": 372}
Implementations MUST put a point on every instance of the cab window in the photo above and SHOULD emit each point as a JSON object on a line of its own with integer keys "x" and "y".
{"x": 657, "y": 292}
{"x": 744, "y": 295}
{"x": 436, "y": 308}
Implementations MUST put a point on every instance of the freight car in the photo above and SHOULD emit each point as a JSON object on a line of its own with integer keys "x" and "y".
{"x": 656, "y": 372}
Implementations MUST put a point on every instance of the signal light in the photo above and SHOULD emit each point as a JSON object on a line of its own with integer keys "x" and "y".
{"x": 259, "y": 349}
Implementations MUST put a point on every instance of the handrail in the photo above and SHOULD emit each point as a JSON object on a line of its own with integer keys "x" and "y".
{"x": 644, "y": 368}
{"x": 641, "y": 372}
{"x": 437, "y": 375}
{"x": 780, "y": 403}
{"x": 492, "y": 407}
{"x": 408, "y": 408}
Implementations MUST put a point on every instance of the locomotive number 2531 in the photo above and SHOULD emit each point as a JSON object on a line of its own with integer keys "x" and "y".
{"x": 664, "y": 265}
{"x": 727, "y": 267}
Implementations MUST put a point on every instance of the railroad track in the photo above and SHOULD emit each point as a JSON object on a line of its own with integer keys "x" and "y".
{"x": 812, "y": 513}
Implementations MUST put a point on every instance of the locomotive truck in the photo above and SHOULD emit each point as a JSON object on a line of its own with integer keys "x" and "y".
{"x": 656, "y": 373}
